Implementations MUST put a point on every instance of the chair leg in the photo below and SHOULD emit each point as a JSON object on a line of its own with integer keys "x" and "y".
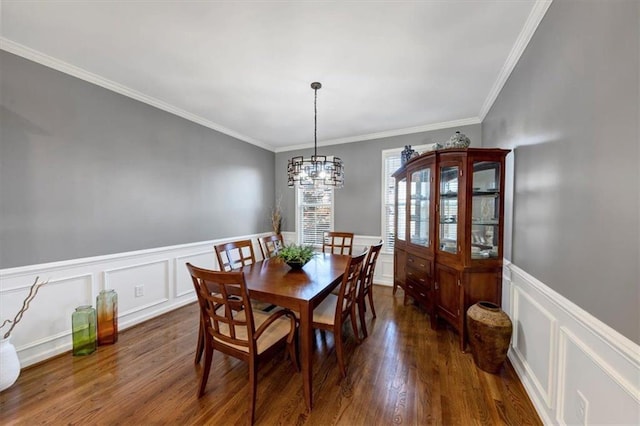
{"x": 208, "y": 355}
{"x": 200, "y": 344}
{"x": 361, "y": 309}
{"x": 253, "y": 384}
{"x": 395, "y": 288}
{"x": 354, "y": 323}
{"x": 338, "y": 336}
{"x": 373, "y": 310}
{"x": 293, "y": 353}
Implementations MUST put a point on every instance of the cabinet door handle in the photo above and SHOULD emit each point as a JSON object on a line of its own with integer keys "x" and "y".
{"x": 436, "y": 285}
{"x": 458, "y": 283}
{"x": 422, "y": 280}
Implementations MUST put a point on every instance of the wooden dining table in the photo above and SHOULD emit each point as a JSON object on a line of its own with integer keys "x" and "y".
{"x": 273, "y": 281}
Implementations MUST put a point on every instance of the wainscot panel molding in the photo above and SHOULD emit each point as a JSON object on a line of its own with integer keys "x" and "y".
{"x": 384, "y": 266}
{"x": 159, "y": 275}
{"x": 575, "y": 368}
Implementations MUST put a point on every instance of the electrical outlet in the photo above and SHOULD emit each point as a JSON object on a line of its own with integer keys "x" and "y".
{"x": 139, "y": 290}
{"x": 582, "y": 408}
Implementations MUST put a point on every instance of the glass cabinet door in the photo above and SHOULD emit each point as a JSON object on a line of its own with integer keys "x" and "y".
{"x": 401, "y": 204}
{"x": 420, "y": 201}
{"x": 485, "y": 210}
{"x": 448, "y": 209}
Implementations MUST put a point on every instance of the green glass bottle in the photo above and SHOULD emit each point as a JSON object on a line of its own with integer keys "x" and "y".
{"x": 83, "y": 326}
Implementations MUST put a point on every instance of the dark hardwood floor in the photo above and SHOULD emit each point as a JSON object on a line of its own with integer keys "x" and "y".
{"x": 403, "y": 373}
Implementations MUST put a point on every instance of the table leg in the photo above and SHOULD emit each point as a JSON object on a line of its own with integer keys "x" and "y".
{"x": 306, "y": 336}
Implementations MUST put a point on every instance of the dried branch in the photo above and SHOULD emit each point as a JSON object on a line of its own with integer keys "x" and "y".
{"x": 276, "y": 217}
{"x": 33, "y": 290}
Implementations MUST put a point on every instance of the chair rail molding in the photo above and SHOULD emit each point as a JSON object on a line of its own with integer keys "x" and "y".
{"x": 149, "y": 283}
{"x": 575, "y": 368}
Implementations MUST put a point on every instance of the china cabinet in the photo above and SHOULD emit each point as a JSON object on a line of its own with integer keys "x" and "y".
{"x": 449, "y": 231}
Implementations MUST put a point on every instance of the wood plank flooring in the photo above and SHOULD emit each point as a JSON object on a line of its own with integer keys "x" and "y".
{"x": 404, "y": 373}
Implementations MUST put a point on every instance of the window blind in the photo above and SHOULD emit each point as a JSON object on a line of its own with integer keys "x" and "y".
{"x": 315, "y": 215}
{"x": 391, "y": 164}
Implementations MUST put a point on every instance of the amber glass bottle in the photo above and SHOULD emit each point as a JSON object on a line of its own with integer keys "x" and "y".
{"x": 107, "y": 304}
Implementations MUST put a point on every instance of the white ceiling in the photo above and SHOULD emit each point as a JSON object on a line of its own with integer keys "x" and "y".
{"x": 244, "y": 67}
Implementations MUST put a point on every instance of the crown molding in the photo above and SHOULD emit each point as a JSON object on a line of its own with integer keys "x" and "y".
{"x": 535, "y": 17}
{"x": 386, "y": 134}
{"x": 51, "y": 62}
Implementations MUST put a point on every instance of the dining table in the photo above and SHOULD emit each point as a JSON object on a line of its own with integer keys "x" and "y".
{"x": 272, "y": 281}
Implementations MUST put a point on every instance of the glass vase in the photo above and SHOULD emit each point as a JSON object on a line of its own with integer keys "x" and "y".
{"x": 107, "y": 305}
{"x": 83, "y": 326}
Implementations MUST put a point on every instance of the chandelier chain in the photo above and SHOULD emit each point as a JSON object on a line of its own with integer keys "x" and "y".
{"x": 315, "y": 121}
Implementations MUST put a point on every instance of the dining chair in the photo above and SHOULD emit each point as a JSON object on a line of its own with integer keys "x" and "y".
{"x": 235, "y": 255}
{"x": 334, "y": 310}
{"x": 337, "y": 242}
{"x": 233, "y": 328}
{"x": 232, "y": 255}
{"x": 365, "y": 289}
{"x": 271, "y": 245}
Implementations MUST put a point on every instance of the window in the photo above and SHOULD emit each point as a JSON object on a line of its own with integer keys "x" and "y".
{"x": 391, "y": 163}
{"x": 314, "y": 214}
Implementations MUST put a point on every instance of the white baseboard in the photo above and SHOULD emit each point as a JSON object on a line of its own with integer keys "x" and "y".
{"x": 563, "y": 356}
{"x": 45, "y": 329}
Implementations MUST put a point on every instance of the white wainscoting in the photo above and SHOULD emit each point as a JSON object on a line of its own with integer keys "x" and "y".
{"x": 576, "y": 369}
{"x": 384, "y": 266}
{"x": 45, "y": 330}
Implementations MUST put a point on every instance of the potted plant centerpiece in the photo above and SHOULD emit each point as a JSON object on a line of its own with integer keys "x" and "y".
{"x": 296, "y": 256}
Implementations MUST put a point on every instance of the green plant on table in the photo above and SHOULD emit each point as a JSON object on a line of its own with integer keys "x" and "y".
{"x": 296, "y": 254}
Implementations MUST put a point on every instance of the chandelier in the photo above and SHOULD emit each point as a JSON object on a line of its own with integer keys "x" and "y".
{"x": 319, "y": 170}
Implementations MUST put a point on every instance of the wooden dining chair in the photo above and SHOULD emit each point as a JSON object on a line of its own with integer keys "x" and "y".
{"x": 233, "y": 328}
{"x": 235, "y": 255}
{"x": 271, "y": 245}
{"x": 365, "y": 288}
{"x": 334, "y": 310}
{"x": 337, "y": 242}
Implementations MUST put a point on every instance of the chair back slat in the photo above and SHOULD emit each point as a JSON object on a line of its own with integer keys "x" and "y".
{"x": 337, "y": 242}
{"x": 348, "y": 287}
{"x": 369, "y": 267}
{"x": 235, "y": 255}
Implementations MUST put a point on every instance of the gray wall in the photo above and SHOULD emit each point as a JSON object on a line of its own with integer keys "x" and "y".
{"x": 85, "y": 171}
{"x": 358, "y": 206}
{"x": 570, "y": 110}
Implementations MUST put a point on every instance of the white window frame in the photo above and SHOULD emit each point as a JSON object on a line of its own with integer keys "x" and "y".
{"x": 298, "y": 214}
{"x": 389, "y": 153}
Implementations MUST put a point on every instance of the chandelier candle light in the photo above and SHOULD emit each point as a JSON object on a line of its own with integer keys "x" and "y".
{"x": 319, "y": 170}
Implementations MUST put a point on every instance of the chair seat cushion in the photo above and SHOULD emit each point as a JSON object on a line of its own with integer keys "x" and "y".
{"x": 325, "y": 312}
{"x": 276, "y": 331}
